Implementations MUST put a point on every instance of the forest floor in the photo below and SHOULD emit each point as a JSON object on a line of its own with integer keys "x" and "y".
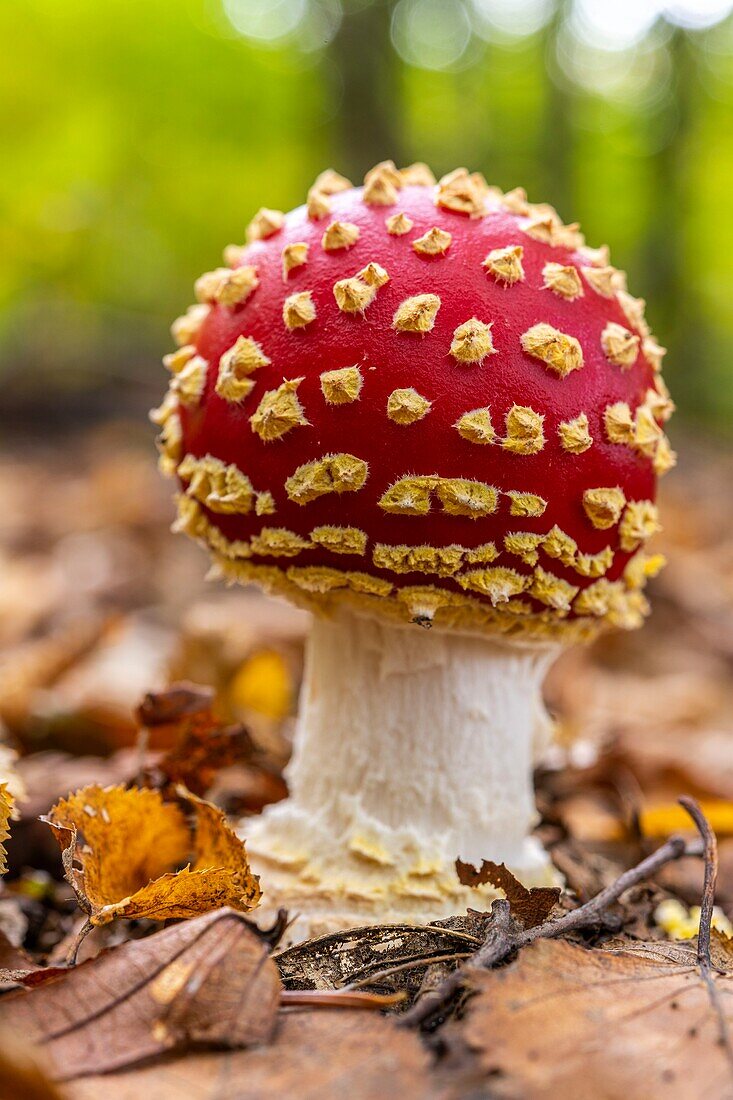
{"x": 605, "y": 990}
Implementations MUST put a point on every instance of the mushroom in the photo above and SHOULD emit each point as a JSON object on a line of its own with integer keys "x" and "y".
{"x": 406, "y": 406}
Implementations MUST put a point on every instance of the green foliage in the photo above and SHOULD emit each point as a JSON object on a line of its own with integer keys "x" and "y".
{"x": 139, "y": 137}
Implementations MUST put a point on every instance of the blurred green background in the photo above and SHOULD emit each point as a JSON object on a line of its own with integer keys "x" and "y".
{"x": 139, "y": 136}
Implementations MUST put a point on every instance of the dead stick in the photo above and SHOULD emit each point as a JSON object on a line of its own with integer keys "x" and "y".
{"x": 707, "y": 903}
{"x": 338, "y": 998}
{"x": 410, "y": 964}
{"x": 81, "y": 935}
{"x": 711, "y": 876}
{"x": 503, "y": 937}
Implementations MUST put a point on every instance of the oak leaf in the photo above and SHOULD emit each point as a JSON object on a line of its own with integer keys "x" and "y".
{"x": 121, "y": 847}
{"x": 633, "y": 1021}
{"x": 208, "y": 981}
{"x": 531, "y": 906}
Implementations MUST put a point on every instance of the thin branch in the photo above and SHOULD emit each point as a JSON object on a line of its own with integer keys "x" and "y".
{"x": 82, "y": 934}
{"x": 504, "y": 936}
{"x": 707, "y": 903}
{"x": 338, "y": 998}
{"x": 411, "y": 964}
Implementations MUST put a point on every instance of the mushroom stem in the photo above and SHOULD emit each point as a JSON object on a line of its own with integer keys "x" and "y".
{"x": 412, "y": 748}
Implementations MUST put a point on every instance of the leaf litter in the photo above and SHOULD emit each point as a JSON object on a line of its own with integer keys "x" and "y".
{"x": 499, "y": 1002}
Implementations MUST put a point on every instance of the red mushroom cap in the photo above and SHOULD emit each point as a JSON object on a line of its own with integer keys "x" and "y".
{"x": 429, "y": 401}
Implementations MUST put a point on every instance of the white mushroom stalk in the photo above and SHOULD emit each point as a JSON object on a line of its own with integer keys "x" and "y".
{"x": 413, "y": 748}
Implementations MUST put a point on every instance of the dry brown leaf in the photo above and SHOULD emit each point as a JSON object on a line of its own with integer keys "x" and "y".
{"x": 209, "y": 981}
{"x": 119, "y": 849}
{"x": 359, "y": 954}
{"x": 531, "y": 906}
{"x": 633, "y": 1022}
{"x": 317, "y": 1055}
{"x": 200, "y": 745}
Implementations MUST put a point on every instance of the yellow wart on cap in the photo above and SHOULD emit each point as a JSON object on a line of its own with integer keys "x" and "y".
{"x": 278, "y": 542}
{"x": 552, "y": 590}
{"x": 563, "y": 281}
{"x": 574, "y": 435}
{"x": 341, "y": 387}
{"x": 498, "y": 583}
{"x": 190, "y": 381}
{"x": 340, "y": 540}
{"x": 619, "y": 345}
{"x": 340, "y": 235}
{"x": 472, "y": 342}
{"x": 334, "y": 473}
{"x": 603, "y": 506}
{"x": 558, "y": 544}
{"x": 416, "y": 314}
{"x": 640, "y": 521}
{"x": 417, "y": 175}
{"x": 525, "y": 504}
{"x": 602, "y": 280}
{"x": 398, "y": 224}
{"x": 524, "y": 545}
{"x": 406, "y": 406}
{"x": 185, "y": 329}
{"x": 299, "y": 310}
{"x": 294, "y": 255}
{"x": 505, "y": 264}
{"x": 241, "y": 360}
{"x": 524, "y": 433}
{"x": 435, "y": 242}
{"x": 463, "y": 192}
{"x": 476, "y": 426}
{"x": 594, "y": 565}
{"x": 558, "y": 351}
{"x": 278, "y": 411}
{"x": 265, "y": 224}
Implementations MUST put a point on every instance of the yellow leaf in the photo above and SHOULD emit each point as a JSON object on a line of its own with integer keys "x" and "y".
{"x": 121, "y": 850}
{"x": 263, "y": 684}
{"x": 6, "y": 809}
{"x": 668, "y": 818}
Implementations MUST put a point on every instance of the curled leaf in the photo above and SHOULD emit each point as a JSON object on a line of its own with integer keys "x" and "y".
{"x": 530, "y": 906}
{"x": 121, "y": 851}
{"x": 6, "y": 809}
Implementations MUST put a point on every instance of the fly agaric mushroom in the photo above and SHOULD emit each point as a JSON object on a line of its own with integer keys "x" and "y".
{"x": 415, "y": 405}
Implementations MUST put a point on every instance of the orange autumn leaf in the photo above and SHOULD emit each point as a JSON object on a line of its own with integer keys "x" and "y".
{"x": 6, "y": 809}
{"x": 122, "y": 849}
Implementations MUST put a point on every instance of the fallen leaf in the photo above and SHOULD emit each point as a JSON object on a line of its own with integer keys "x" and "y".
{"x": 357, "y": 954}
{"x": 18, "y": 968}
{"x": 119, "y": 848}
{"x": 632, "y": 1022}
{"x": 6, "y": 809}
{"x": 21, "y": 1075}
{"x": 322, "y": 1054}
{"x": 531, "y": 906}
{"x": 199, "y": 744}
{"x": 209, "y": 981}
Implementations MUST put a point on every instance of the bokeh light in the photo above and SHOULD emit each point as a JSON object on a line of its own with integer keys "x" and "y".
{"x": 432, "y": 34}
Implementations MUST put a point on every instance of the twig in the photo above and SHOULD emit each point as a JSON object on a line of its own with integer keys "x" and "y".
{"x": 411, "y": 964}
{"x": 82, "y": 934}
{"x": 704, "y": 961}
{"x": 338, "y": 998}
{"x": 504, "y": 937}
{"x": 710, "y": 855}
